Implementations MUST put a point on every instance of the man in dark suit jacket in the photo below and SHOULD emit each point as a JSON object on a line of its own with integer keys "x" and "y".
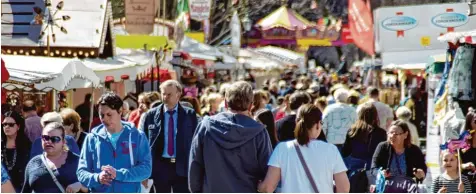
{"x": 170, "y": 128}
{"x": 285, "y": 126}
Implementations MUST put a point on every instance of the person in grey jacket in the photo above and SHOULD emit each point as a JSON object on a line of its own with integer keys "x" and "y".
{"x": 230, "y": 150}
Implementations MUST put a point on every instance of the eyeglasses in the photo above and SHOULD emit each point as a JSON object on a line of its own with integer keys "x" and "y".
{"x": 394, "y": 133}
{"x": 8, "y": 124}
{"x": 53, "y": 139}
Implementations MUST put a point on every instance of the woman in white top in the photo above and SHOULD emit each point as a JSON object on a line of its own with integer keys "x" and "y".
{"x": 323, "y": 160}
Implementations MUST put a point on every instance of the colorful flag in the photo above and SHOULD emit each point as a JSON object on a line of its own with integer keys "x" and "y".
{"x": 361, "y": 26}
{"x": 183, "y": 13}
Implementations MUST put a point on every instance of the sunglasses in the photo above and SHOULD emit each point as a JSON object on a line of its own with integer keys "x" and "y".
{"x": 8, "y": 124}
{"x": 53, "y": 139}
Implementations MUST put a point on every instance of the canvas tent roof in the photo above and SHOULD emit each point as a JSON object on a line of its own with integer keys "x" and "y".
{"x": 207, "y": 52}
{"x": 126, "y": 62}
{"x": 48, "y": 73}
{"x": 284, "y": 17}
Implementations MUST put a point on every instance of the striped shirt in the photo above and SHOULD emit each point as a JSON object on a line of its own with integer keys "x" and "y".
{"x": 451, "y": 185}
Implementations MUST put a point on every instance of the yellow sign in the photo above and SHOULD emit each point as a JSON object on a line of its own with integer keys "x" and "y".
{"x": 425, "y": 41}
{"x": 198, "y": 36}
{"x": 138, "y": 41}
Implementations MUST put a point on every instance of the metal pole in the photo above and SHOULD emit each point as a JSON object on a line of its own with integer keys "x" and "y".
{"x": 91, "y": 111}
{"x": 163, "y": 21}
{"x": 157, "y": 59}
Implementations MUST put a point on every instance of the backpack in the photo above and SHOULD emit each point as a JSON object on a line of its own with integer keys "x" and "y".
{"x": 359, "y": 183}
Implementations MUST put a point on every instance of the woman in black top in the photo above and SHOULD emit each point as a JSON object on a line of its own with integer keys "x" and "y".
{"x": 62, "y": 164}
{"x": 469, "y": 157}
{"x": 15, "y": 147}
{"x": 397, "y": 156}
{"x": 264, "y": 116}
{"x": 72, "y": 126}
{"x": 363, "y": 138}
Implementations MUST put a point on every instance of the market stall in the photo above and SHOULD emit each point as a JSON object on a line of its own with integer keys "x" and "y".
{"x": 451, "y": 92}
{"x": 28, "y": 79}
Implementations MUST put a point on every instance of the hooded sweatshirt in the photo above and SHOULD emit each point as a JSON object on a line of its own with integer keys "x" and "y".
{"x": 98, "y": 151}
{"x": 229, "y": 154}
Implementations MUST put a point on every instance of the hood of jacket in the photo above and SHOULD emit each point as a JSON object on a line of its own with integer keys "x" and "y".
{"x": 230, "y": 130}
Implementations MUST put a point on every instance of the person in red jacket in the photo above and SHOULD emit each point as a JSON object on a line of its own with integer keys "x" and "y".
{"x": 145, "y": 100}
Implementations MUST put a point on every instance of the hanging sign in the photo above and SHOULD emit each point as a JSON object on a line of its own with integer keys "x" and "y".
{"x": 417, "y": 27}
{"x": 140, "y": 15}
{"x": 200, "y": 9}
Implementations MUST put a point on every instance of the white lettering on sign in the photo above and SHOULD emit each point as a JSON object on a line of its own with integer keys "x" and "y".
{"x": 200, "y": 9}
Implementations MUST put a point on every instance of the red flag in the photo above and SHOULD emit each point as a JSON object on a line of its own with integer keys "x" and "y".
{"x": 361, "y": 26}
{"x": 5, "y": 74}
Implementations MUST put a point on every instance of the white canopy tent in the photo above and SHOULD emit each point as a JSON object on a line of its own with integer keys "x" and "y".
{"x": 462, "y": 37}
{"x": 206, "y": 52}
{"x": 408, "y": 60}
{"x": 281, "y": 54}
{"x": 47, "y": 73}
{"x": 126, "y": 62}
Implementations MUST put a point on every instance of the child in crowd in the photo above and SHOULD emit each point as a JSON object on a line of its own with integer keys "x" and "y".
{"x": 449, "y": 180}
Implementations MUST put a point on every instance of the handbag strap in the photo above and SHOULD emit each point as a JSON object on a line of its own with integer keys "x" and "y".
{"x": 306, "y": 168}
{"x": 131, "y": 155}
{"x": 60, "y": 187}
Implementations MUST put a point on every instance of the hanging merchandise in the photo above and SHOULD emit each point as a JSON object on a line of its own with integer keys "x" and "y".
{"x": 460, "y": 75}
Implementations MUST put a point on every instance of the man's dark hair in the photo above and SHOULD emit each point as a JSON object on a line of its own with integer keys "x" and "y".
{"x": 112, "y": 100}
{"x": 373, "y": 92}
{"x": 280, "y": 100}
{"x": 87, "y": 97}
{"x": 28, "y": 106}
{"x": 298, "y": 99}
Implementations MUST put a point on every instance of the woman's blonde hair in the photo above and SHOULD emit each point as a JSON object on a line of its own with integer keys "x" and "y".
{"x": 211, "y": 99}
{"x": 69, "y": 117}
{"x": 50, "y": 117}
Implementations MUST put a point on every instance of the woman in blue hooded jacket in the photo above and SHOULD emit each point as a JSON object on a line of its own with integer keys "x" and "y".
{"x": 116, "y": 156}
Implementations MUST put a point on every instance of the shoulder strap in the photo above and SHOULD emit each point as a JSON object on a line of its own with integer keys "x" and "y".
{"x": 306, "y": 168}
{"x": 60, "y": 187}
{"x": 131, "y": 155}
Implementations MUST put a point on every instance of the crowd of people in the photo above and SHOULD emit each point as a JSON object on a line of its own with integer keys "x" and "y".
{"x": 291, "y": 135}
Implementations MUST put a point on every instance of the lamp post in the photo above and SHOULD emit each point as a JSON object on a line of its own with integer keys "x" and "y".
{"x": 247, "y": 26}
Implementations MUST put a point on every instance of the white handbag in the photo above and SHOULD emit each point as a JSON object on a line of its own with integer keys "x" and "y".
{"x": 150, "y": 182}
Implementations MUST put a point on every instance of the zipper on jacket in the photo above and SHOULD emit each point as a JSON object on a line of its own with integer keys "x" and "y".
{"x": 114, "y": 160}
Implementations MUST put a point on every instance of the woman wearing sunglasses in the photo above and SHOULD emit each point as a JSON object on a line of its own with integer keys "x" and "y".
{"x": 54, "y": 171}
{"x": 398, "y": 156}
{"x": 15, "y": 147}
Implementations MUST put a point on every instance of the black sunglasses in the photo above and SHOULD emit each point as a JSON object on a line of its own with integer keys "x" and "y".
{"x": 54, "y": 139}
{"x": 8, "y": 124}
